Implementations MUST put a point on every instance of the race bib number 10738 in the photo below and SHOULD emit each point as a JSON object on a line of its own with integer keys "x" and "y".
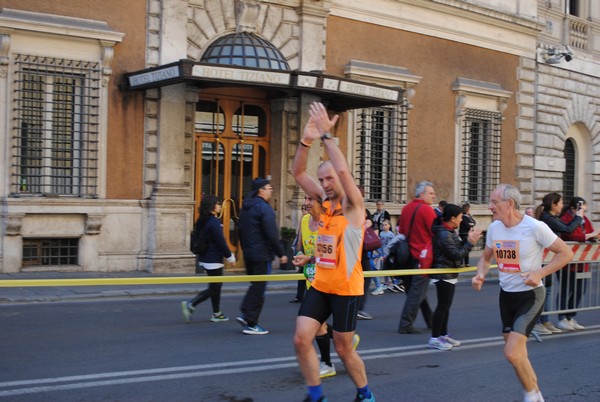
{"x": 507, "y": 256}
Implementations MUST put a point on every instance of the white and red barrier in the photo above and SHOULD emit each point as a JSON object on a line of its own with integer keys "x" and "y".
{"x": 583, "y": 252}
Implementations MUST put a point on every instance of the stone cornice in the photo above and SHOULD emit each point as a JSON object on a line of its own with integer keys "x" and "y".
{"x": 448, "y": 19}
{"x": 56, "y": 24}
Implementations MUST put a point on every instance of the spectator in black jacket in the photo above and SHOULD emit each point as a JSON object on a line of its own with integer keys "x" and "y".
{"x": 211, "y": 259}
{"x": 548, "y": 212}
{"x": 467, "y": 223}
{"x": 259, "y": 237}
{"x": 379, "y": 216}
{"x": 448, "y": 252}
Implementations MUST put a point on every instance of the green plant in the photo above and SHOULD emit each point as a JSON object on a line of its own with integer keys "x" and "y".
{"x": 288, "y": 234}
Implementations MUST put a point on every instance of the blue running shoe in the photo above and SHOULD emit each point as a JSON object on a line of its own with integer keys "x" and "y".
{"x": 361, "y": 398}
{"x": 255, "y": 330}
{"x": 242, "y": 321}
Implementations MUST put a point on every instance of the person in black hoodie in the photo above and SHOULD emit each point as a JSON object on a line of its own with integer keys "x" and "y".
{"x": 211, "y": 259}
{"x": 448, "y": 252}
{"x": 259, "y": 237}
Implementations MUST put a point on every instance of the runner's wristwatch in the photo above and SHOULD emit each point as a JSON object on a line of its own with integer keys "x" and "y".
{"x": 326, "y": 136}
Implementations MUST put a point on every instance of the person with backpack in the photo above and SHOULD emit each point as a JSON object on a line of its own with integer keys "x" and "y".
{"x": 210, "y": 247}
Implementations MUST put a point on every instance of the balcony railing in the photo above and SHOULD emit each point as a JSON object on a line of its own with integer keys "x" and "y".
{"x": 578, "y": 31}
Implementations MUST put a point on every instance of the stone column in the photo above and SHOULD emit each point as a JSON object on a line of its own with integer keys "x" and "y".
{"x": 168, "y": 211}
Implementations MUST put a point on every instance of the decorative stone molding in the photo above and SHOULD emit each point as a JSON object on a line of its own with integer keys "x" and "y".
{"x": 93, "y": 224}
{"x": 384, "y": 74}
{"x": 108, "y": 53}
{"x": 4, "y": 52}
{"x": 461, "y": 101}
{"x": 246, "y": 15}
{"x": 14, "y": 223}
{"x": 277, "y": 23}
{"x": 479, "y": 95}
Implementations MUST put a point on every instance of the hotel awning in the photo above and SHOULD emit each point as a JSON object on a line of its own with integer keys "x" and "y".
{"x": 340, "y": 93}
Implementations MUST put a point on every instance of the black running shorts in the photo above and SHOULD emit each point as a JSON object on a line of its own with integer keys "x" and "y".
{"x": 520, "y": 311}
{"x": 320, "y": 306}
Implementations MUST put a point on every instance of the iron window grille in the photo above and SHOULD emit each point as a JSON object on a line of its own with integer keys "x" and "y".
{"x": 44, "y": 252}
{"x": 569, "y": 175}
{"x": 480, "y": 155}
{"x": 56, "y": 127}
{"x": 381, "y": 148}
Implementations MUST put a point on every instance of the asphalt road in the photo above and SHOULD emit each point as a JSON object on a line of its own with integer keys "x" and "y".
{"x": 142, "y": 350}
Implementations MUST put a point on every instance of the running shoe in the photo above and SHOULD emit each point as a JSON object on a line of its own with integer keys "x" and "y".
{"x": 565, "y": 325}
{"x": 392, "y": 288}
{"x": 362, "y": 398}
{"x": 255, "y": 330}
{"x": 576, "y": 326}
{"x": 451, "y": 341}
{"x": 550, "y": 327}
{"x": 218, "y": 317}
{"x": 363, "y": 315}
{"x": 439, "y": 344}
{"x": 399, "y": 287}
{"x": 541, "y": 330}
{"x": 355, "y": 341}
{"x": 379, "y": 290}
{"x": 242, "y": 321}
{"x": 326, "y": 370}
{"x": 187, "y": 310}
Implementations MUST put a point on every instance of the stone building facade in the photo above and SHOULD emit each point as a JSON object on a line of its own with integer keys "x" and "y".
{"x": 200, "y": 96}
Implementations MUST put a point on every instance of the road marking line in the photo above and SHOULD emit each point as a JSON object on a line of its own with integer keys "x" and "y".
{"x": 257, "y": 365}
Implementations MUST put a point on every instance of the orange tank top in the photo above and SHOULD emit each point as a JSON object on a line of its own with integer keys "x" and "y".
{"x": 338, "y": 254}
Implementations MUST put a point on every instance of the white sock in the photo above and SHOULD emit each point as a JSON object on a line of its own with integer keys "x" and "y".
{"x": 533, "y": 396}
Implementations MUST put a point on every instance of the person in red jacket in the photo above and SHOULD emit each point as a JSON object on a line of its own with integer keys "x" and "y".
{"x": 571, "y": 288}
{"x": 419, "y": 234}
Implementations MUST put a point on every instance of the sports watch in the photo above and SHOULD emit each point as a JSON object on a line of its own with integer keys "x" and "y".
{"x": 326, "y": 136}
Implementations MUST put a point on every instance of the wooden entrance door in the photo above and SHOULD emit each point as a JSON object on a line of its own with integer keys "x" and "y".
{"x": 232, "y": 148}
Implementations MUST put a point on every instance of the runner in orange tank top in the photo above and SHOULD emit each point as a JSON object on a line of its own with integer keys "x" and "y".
{"x": 339, "y": 280}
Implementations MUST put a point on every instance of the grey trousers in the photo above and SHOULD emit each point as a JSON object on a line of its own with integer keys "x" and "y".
{"x": 414, "y": 297}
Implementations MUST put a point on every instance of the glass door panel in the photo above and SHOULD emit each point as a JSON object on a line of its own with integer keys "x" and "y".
{"x": 212, "y": 168}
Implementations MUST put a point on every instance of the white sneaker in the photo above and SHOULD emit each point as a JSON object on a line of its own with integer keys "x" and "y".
{"x": 550, "y": 327}
{"x": 439, "y": 344}
{"x": 326, "y": 371}
{"x": 541, "y": 330}
{"x": 451, "y": 341}
{"x": 576, "y": 326}
{"x": 379, "y": 290}
{"x": 565, "y": 325}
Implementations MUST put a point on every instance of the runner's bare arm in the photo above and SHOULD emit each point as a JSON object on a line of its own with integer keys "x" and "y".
{"x": 306, "y": 181}
{"x": 483, "y": 266}
{"x": 353, "y": 203}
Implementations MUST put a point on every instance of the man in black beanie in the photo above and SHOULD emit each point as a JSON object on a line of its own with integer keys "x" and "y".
{"x": 259, "y": 237}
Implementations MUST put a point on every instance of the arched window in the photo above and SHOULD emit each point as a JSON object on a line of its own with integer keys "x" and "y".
{"x": 569, "y": 175}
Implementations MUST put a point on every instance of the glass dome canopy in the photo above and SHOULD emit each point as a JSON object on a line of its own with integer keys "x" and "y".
{"x": 245, "y": 49}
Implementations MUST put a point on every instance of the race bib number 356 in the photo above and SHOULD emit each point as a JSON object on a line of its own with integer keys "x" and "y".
{"x": 326, "y": 251}
{"x": 507, "y": 256}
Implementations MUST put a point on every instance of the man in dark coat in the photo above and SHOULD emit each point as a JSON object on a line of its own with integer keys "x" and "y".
{"x": 259, "y": 237}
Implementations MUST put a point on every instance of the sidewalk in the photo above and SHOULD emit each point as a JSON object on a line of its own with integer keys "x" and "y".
{"x": 70, "y": 293}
